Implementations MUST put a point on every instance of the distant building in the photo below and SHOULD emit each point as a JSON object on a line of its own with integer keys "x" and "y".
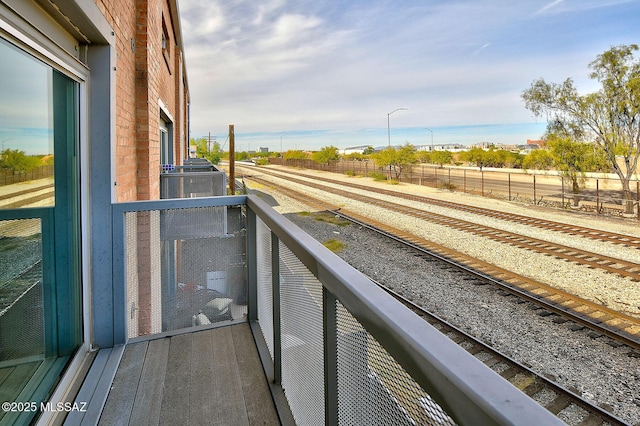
{"x": 539, "y": 143}
{"x": 451, "y": 147}
{"x": 263, "y": 150}
{"x": 354, "y": 149}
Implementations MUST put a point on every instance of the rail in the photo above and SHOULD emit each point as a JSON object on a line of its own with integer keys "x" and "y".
{"x": 340, "y": 349}
{"x": 602, "y": 195}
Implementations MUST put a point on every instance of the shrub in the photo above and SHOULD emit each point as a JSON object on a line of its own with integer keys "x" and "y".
{"x": 378, "y": 176}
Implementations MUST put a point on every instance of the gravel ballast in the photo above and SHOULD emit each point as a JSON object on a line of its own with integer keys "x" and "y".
{"x": 599, "y": 372}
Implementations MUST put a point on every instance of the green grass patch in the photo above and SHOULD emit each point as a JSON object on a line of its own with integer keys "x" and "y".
{"x": 330, "y": 218}
{"x": 334, "y": 245}
{"x": 304, "y": 213}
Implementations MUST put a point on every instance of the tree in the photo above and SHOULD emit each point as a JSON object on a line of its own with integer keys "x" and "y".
{"x": 396, "y": 160}
{"x": 368, "y": 150}
{"x": 18, "y": 161}
{"x": 325, "y": 155}
{"x": 203, "y": 150}
{"x": 570, "y": 158}
{"x": 475, "y": 156}
{"x": 538, "y": 159}
{"x": 441, "y": 158}
{"x": 295, "y": 155}
{"x": 609, "y": 117}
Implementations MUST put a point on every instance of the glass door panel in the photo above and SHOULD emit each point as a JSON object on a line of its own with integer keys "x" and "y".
{"x": 40, "y": 292}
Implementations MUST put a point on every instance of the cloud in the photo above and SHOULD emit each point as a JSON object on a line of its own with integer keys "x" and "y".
{"x": 549, "y": 6}
{"x": 285, "y": 65}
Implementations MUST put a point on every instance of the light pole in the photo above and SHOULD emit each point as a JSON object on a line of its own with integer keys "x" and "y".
{"x": 337, "y": 148}
{"x": 281, "y": 153}
{"x": 431, "y": 139}
{"x": 389, "y": 127}
{"x": 6, "y": 140}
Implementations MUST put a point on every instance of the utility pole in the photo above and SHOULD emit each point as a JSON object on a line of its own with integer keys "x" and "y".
{"x": 232, "y": 160}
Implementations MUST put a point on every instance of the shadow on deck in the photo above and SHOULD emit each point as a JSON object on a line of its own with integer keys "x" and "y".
{"x": 212, "y": 376}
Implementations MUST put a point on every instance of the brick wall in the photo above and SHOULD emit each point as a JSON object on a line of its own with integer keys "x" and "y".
{"x": 145, "y": 76}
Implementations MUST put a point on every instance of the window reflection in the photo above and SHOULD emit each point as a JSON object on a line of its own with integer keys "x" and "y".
{"x": 26, "y": 130}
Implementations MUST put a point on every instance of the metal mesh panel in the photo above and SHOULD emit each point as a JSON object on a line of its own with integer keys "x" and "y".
{"x": 181, "y": 271}
{"x": 191, "y": 185}
{"x": 265, "y": 286}
{"x": 21, "y": 297}
{"x": 373, "y": 388}
{"x": 302, "y": 340}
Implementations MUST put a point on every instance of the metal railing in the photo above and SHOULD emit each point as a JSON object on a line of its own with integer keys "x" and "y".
{"x": 340, "y": 349}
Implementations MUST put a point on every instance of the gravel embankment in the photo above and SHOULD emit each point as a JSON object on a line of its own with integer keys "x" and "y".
{"x": 598, "y": 371}
{"x": 596, "y": 285}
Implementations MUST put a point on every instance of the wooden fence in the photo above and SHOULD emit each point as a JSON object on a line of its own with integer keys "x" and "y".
{"x": 8, "y": 177}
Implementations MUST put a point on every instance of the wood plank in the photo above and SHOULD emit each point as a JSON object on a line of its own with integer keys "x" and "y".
{"x": 227, "y": 386}
{"x": 216, "y": 394}
{"x": 175, "y": 398}
{"x": 119, "y": 405}
{"x": 201, "y": 378}
{"x": 259, "y": 403}
{"x": 146, "y": 408}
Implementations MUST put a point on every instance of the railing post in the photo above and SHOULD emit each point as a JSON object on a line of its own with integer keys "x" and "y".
{"x": 277, "y": 328}
{"x": 252, "y": 267}
{"x": 509, "y": 176}
{"x": 330, "y": 328}
{"x": 535, "y": 200}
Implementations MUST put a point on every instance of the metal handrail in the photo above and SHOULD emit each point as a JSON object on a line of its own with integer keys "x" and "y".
{"x": 469, "y": 391}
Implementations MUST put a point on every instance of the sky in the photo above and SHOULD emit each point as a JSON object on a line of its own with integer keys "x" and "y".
{"x": 26, "y": 82}
{"x": 305, "y": 74}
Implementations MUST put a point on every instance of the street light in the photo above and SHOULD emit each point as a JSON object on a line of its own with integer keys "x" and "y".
{"x": 389, "y": 127}
{"x": 281, "y": 153}
{"x": 431, "y": 139}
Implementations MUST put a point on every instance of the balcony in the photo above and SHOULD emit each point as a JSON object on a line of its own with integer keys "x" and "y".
{"x": 221, "y": 305}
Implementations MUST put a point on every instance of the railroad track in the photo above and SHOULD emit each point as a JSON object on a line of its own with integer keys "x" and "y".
{"x": 620, "y": 328}
{"x": 550, "y": 395}
{"x": 609, "y": 264}
{"x": 594, "y": 234}
{"x": 26, "y": 197}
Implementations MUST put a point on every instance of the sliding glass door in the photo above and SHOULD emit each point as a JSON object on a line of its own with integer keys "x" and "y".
{"x": 40, "y": 291}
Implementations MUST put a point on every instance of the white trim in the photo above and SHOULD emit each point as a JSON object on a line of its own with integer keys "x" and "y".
{"x": 75, "y": 68}
{"x": 63, "y": 388}
{"x": 165, "y": 110}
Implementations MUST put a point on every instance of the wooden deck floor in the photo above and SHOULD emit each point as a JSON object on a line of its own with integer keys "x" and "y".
{"x": 211, "y": 377}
